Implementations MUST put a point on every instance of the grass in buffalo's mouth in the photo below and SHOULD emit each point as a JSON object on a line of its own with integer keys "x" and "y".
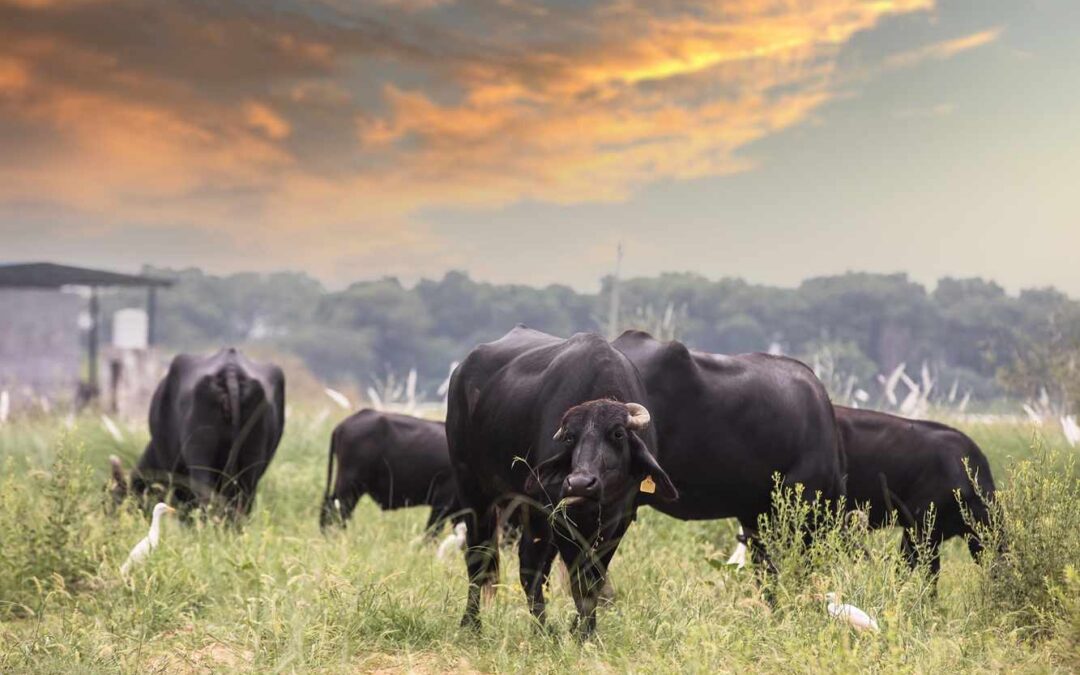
{"x": 279, "y": 596}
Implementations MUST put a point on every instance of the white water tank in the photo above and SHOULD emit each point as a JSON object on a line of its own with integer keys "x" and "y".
{"x": 130, "y": 329}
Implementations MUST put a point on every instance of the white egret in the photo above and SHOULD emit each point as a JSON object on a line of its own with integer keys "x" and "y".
{"x": 859, "y": 619}
{"x": 149, "y": 542}
{"x": 738, "y": 556}
{"x": 455, "y": 541}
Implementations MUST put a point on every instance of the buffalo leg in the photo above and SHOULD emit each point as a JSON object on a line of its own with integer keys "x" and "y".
{"x": 481, "y": 560}
{"x": 434, "y": 522}
{"x": 588, "y": 572}
{"x": 911, "y": 551}
{"x": 975, "y": 546}
{"x": 536, "y": 551}
{"x": 758, "y": 554}
{"x": 907, "y": 547}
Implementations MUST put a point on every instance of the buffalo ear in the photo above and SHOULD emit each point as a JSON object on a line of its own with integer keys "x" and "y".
{"x": 644, "y": 464}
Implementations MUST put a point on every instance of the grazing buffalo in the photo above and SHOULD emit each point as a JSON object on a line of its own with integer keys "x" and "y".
{"x": 905, "y": 466}
{"x": 727, "y": 424}
{"x": 549, "y": 422}
{"x": 215, "y": 423}
{"x": 397, "y": 459}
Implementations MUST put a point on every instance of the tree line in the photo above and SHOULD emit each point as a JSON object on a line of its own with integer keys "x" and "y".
{"x": 967, "y": 330}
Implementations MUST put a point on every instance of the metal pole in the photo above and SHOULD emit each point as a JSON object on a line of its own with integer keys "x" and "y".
{"x": 613, "y": 310}
{"x": 92, "y": 346}
{"x": 151, "y": 313}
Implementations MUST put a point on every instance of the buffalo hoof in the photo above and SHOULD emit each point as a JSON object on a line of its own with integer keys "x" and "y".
{"x": 583, "y": 629}
{"x": 471, "y": 621}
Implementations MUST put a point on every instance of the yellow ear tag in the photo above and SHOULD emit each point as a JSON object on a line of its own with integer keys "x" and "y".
{"x": 647, "y": 485}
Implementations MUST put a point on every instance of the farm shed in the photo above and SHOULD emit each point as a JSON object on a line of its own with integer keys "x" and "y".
{"x": 39, "y": 324}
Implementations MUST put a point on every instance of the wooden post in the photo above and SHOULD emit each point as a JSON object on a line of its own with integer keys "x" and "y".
{"x": 92, "y": 346}
{"x": 151, "y": 313}
{"x": 613, "y": 310}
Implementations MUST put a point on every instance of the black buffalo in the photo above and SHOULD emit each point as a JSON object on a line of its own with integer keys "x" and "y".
{"x": 215, "y": 423}
{"x": 727, "y": 424}
{"x": 397, "y": 459}
{"x": 551, "y": 421}
{"x": 903, "y": 466}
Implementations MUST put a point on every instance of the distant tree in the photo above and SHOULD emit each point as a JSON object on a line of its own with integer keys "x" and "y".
{"x": 1047, "y": 356}
{"x": 968, "y": 330}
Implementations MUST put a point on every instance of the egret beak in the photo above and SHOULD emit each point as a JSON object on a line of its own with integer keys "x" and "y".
{"x": 169, "y": 509}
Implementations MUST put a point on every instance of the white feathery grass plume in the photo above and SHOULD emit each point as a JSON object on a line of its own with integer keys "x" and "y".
{"x": 954, "y": 389}
{"x": 927, "y": 384}
{"x": 850, "y": 614}
{"x": 410, "y": 391}
{"x": 849, "y": 387}
{"x": 908, "y": 382}
{"x": 5, "y": 406}
{"x": 1070, "y": 429}
{"x": 910, "y": 405}
{"x": 1032, "y": 415}
{"x": 889, "y": 383}
{"x": 964, "y": 401}
{"x": 455, "y": 541}
{"x": 46, "y": 405}
{"x": 376, "y": 400}
{"x": 337, "y": 397}
{"x": 444, "y": 388}
{"x": 111, "y": 427}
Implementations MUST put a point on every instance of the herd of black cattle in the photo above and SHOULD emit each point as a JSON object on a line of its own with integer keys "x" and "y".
{"x": 569, "y": 437}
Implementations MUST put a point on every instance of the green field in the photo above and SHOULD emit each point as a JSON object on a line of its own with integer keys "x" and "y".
{"x": 279, "y": 596}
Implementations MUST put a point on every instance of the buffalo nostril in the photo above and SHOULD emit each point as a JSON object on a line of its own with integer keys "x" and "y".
{"x": 579, "y": 484}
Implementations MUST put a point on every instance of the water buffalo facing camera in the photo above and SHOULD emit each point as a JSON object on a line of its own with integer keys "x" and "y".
{"x": 561, "y": 426}
{"x": 602, "y": 452}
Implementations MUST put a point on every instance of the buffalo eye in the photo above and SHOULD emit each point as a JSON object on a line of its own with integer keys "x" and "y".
{"x": 619, "y": 434}
{"x": 569, "y": 438}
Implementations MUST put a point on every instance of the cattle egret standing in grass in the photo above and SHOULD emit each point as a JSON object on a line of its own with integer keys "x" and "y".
{"x": 455, "y": 541}
{"x": 149, "y": 542}
{"x": 859, "y": 619}
{"x": 738, "y": 556}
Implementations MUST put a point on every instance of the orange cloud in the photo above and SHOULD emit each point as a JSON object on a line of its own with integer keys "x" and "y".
{"x": 945, "y": 49}
{"x": 263, "y": 122}
{"x": 264, "y": 119}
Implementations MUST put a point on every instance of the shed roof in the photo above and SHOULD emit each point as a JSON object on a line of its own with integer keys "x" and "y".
{"x": 51, "y": 275}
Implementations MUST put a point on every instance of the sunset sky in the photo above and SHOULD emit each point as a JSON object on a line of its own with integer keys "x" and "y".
{"x": 520, "y": 141}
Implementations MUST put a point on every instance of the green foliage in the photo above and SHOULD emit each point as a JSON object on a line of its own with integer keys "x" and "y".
{"x": 44, "y": 552}
{"x": 1033, "y": 542}
{"x": 1047, "y": 356}
{"x": 277, "y": 596}
{"x": 967, "y": 328}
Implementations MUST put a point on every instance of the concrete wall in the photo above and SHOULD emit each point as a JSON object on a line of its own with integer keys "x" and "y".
{"x": 40, "y": 344}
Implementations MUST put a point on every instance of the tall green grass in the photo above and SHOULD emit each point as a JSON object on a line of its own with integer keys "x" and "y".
{"x": 279, "y": 597}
